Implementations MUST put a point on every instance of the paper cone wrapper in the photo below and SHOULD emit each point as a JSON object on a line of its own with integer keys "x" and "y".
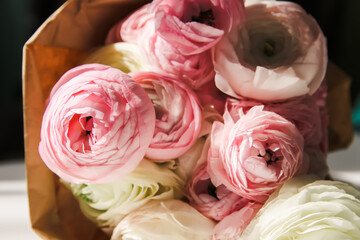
{"x": 62, "y": 43}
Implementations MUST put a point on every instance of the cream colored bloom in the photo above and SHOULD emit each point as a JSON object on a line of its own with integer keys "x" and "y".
{"x": 107, "y": 204}
{"x": 320, "y": 210}
{"x": 164, "y": 220}
{"x": 125, "y": 56}
{"x": 277, "y": 53}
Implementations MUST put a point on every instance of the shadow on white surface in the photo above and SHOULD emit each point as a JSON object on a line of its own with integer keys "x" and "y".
{"x": 345, "y": 164}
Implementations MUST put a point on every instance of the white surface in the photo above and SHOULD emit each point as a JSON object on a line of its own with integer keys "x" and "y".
{"x": 14, "y": 217}
{"x": 345, "y": 164}
{"x": 14, "y": 210}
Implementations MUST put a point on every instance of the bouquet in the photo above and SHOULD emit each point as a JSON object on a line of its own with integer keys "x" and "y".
{"x": 184, "y": 120}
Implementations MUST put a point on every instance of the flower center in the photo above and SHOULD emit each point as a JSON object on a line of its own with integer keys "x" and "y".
{"x": 211, "y": 190}
{"x": 206, "y": 17}
{"x": 88, "y": 125}
{"x": 270, "y": 157}
{"x": 80, "y": 132}
{"x": 269, "y": 48}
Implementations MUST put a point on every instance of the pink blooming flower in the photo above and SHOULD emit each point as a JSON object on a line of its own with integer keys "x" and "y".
{"x": 139, "y": 28}
{"x": 195, "y": 70}
{"x": 178, "y": 115}
{"x": 256, "y": 154}
{"x": 213, "y": 202}
{"x": 302, "y": 111}
{"x": 174, "y": 40}
{"x": 97, "y": 126}
{"x": 309, "y": 118}
{"x": 233, "y": 225}
{"x": 194, "y": 26}
{"x": 277, "y": 53}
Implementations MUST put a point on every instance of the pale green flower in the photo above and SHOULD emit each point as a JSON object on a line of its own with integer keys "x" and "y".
{"x": 320, "y": 210}
{"x": 125, "y": 56}
{"x": 107, "y": 204}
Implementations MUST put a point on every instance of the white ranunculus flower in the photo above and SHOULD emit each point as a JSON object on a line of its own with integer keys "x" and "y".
{"x": 320, "y": 210}
{"x": 125, "y": 56}
{"x": 278, "y": 52}
{"x": 107, "y": 204}
{"x": 164, "y": 220}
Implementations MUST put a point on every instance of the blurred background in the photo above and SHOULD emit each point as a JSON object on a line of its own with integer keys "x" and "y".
{"x": 339, "y": 20}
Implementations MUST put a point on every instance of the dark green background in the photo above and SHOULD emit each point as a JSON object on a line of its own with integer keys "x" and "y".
{"x": 339, "y": 20}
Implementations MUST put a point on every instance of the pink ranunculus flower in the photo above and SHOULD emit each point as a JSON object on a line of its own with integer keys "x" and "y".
{"x": 277, "y": 53}
{"x": 233, "y": 225}
{"x": 195, "y": 26}
{"x": 307, "y": 116}
{"x": 139, "y": 28}
{"x": 213, "y": 202}
{"x": 301, "y": 111}
{"x": 178, "y": 115}
{"x": 195, "y": 70}
{"x": 256, "y": 154}
{"x": 97, "y": 126}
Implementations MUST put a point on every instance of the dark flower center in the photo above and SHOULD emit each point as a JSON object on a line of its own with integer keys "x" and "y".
{"x": 205, "y": 17}
{"x": 269, "y": 48}
{"x": 88, "y": 132}
{"x": 212, "y": 191}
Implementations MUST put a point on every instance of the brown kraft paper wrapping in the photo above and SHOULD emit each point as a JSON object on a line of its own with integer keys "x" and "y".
{"x": 61, "y": 43}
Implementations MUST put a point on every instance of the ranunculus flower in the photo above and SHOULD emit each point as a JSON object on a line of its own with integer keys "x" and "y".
{"x": 97, "y": 126}
{"x": 195, "y": 26}
{"x": 139, "y": 28}
{"x": 305, "y": 113}
{"x": 107, "y": 204}
{"x": 164, "y": 220}
{"x": 213, "y": 202}
{"x": 178, "y": 115}
{"x": 125, "y": 56}
{"x": 278, "y": 52}
{"x": 302, "y": 111}
{"x": 195, "y": 70}
{"x": 255, "y": 155}
{"x": 320, "y": 210}
{"x": 234, "y": 224}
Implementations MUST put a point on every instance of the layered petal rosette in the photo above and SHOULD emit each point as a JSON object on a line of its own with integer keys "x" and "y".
{"x": 255, "y": 155}
{"x": 164, "y": 220}
{"x": 176, "y": 36}
{"x": 195, "y": 70}
{"x": 194, "y": 26}
{"x": 213, "y": 202}
{"x": 178, "y": 115}
{"x": 318, "y": 210}
{"x": 107, "y": 204}
{"x": 307, "y": 116}
{"x": 302, "y": 111}
{"x": 125, "y": 56}
{"x": 278, "y": 52}
{"x": 97, "y": 126}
